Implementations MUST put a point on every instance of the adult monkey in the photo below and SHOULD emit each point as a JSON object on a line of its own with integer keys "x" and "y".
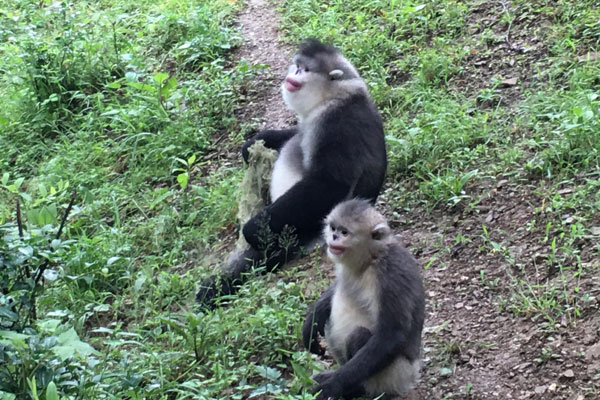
{"x": 337, "y": 151}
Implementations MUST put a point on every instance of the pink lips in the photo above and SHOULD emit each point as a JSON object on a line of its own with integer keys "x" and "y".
{"x": 292, "y": 85}
{"x": 337, "y": 250}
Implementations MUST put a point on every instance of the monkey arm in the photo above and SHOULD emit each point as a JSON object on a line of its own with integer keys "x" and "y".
{"x": 274, "y": 139}
{"x": 379, "y": 352}
{"x": 317, "y": 316}
{"x": 302, "y": 207}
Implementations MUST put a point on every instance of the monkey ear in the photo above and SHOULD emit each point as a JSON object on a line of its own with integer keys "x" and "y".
{"x": 380, "y": 231}
{"x": 336, "y": 73}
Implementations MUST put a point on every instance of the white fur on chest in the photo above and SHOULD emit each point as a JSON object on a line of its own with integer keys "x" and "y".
{"x": 287, "y": 170}
{"x": 354, "y": 305}
{"x": 309, "y": 133}
{"x": 296, "y": 155}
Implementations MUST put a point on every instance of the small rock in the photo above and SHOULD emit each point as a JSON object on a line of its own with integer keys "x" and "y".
{"x": 591, "y": 56}
{"x": 592, "y": 370}
{"x": 565, "y": 191}
{"x": 593, "y": 352}
{"x": 552, "y": 387}
{"x": 459, "y": 305}
{"x": 540, "y": 389}
{"x": 501, "y": 183}
{"x": 569, "y": 373}
{"x": 595, "y": 230}
{"x": 508, "y": 83}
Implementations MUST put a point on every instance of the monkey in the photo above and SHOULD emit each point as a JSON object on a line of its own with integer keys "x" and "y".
{"x": 336, "y": 151}
{"x": 372, "y": 315}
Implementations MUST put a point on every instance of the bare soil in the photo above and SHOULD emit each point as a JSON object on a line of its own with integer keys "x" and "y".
{"x": 259, "y": 23}
{"x": 473, "y": 347}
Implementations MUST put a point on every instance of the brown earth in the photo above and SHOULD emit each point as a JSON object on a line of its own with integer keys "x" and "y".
{"x": 474, "y": 348}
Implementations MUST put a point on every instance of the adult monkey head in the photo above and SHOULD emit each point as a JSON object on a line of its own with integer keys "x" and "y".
{"x": 316, "y": 73}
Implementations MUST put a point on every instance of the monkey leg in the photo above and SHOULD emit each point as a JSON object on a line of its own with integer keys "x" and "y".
{"x": 235, "y": 272}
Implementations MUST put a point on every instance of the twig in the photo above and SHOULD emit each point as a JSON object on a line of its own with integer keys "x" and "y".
{"x": 507, "y": 37}
{"x": 60, "y": 228}
{"x": 20, "y": 226}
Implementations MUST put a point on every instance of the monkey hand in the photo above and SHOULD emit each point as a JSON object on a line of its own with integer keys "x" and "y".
{"x": 245, "y": 147}
{"x": 328, "y": 386}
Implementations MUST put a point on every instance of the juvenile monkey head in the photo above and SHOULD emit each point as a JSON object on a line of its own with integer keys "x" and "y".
{"x": 356, "y": 233}
{"x": 316, "y": 73}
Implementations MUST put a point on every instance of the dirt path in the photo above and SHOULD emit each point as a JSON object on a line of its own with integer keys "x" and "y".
{"x": 259, "y": 23}
{"x": 473, "y": 347}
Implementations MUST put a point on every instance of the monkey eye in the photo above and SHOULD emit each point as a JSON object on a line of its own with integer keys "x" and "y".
{"x": 332, "y": 227}
{"x": 344, "y": 232}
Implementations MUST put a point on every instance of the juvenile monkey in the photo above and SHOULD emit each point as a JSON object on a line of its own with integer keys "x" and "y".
{"x": 372, "y": 316}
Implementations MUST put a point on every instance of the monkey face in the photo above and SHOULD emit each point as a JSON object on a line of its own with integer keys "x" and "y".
{"x": 303, "y": 89}
{"x": 346, "y": 244}
{"x": 355, "y": 234}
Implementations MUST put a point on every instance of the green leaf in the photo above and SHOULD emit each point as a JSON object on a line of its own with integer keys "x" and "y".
{"x": 160, "y": 77}
{"x": 27, "y": 251}
{"x": 191, "y": 160}
{"x": 25, "y": 196}
{"x": 8, "y": 314}
{"x": 51, "y": 392}
{"x": 7, "y": 396}
{"x": 49, "y": 325}
{"x": 112, "y": 260}
{"x": 168, "y": 87}
{"x": 5, "y": 178}
{"x": 110, "y": 112}
{"x": 139, "y": 283}
{"x": 42, "y": 190}
{"x": 18, "y": 182}
{"x": 143, "y": 86}
{"x": 264, "y": 389}
{"x": 267, "y": 372}
{"x": 13, "y": 338}
{"x": 70, "y": 345}
{"x": 115, "y": 85}
{"x": 64, "y": 352}
{"x": 131, "y": 76}
{"x": 47, "y": 215}
{"x": 33, "y": 216}
{"x": 182, "y": 179}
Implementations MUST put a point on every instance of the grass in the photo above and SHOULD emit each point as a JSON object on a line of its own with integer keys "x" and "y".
{"x": 125, "y": 109}
{"x": 119, "y": 107}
